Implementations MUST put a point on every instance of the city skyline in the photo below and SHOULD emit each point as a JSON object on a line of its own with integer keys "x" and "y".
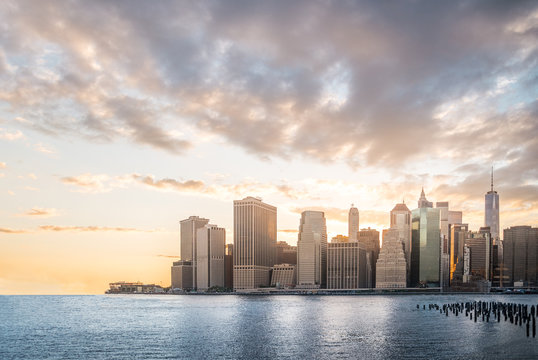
{"x": 119, "y": 120}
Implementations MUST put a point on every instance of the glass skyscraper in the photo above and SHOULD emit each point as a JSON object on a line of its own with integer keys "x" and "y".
{"x": 425, "y": 245}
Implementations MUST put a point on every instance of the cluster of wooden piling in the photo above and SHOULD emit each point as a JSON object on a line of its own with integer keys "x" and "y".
{"x": 517, "y": 314}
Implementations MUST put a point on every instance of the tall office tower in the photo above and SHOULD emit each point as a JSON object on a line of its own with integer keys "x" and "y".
{"x": 400, "y": 219}
{"x": 187, "y": 242}
{"x": 391, "y": 266}
{"x": 210, "y": 257}
{"x": 312, "y": 250}
{"x": 348, "y": 265}
{"x": 353, "y": 223}
{"x": 229, "y": 266}
{"x": 480, "y": 252}
{"x": 458, "y": 233}
{"x": 285, "y": 253}
{"x": 521, "y": 255}
{"x": 491, "y": 214}
{"x": 425, "y": 245}
{"x": 369, "y": 239}
{"x": 447, "y": 218}
{"x": 254, "y": 243}
{"x": 187, "y": 232}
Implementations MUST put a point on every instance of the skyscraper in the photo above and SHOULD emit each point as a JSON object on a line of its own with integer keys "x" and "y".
{"x": 480, "y": 252}
{"x": 458, "y": 233}
{"x": 210, "y": 257}
{"x": 312, "y": 250}
{"x": 521, "y": 255}
{"x": 254, "y": 243}
{"x": 491, "y": 214}
{"x": 187, "y": 233}
{"x": 425, "y": 244}
{"x": 391, "y": 266}
{"x": 187, "y": 243}
{"x": 400, "y": 219}
{"x": 369, "y": 240}
{"x": 447, "y": 218}
{"x": 353, "y": 223}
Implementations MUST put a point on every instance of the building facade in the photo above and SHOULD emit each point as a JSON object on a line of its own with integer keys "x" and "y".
{"x": 187, "y": 244}
{"x": 480, "y": 254}
{"x": 181, "y": 274}
{"x": 447, "y": 218}
{"x": 348, "y": 266}
{"x": 391, "y": 266}
{"x": 400, "y": 219}
{"x": 458, "y": 234}
{"x": 312, "y": 250}
{"x": 426, "y": 245}
{"x": 353, "y": 223}
{"x": 285, "y": 253}
{"x": 210, "y": 257}
{"x": 283, "y": 275}
{"x": 369, "y": 240}
{"x": 521, "y": 255}
{"x": 229, "y": 266}
{"x": 255, "y": 230}
{"x": 491, "y": 211}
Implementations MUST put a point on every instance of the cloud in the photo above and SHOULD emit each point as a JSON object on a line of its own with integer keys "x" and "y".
{"x": 40, "y": 212}
{"x": 89, "y": 182}
{"x": 90, "y": 229}
{"x": 44, "y": 149}
{"x": 330, "y": 81}
{"x": 377, "y": 86}
{"x": 169, "y": 256}
{"x": 182, "y": 186}
{"x": 10, "y": 136}
{"x": 12, "y": 231}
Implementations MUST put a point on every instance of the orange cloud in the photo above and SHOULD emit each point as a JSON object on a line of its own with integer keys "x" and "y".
{"x": 40, "y": 212}
{"x": 91, "y": 228}
{"x": 12, "y": 231}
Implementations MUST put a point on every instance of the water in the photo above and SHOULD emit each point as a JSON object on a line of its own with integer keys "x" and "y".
{"x": 250, "y": 327}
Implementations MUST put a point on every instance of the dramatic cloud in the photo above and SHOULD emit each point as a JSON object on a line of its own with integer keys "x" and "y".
{"x": 362, "y": 82}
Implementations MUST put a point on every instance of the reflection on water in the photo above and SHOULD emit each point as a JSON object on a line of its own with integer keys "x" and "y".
{"x": 373, "y": 327}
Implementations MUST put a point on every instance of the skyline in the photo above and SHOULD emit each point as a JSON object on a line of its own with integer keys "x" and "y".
{"x": 118, "y": 120}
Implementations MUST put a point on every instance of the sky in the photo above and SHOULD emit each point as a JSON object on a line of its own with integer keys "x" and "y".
{"x": 118, "y": 119}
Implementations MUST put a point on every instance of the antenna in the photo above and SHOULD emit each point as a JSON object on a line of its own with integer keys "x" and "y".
{"x": 492, "y": 179}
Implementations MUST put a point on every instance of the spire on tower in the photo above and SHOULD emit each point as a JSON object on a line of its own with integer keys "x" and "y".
{"x": 492, "y": 179}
